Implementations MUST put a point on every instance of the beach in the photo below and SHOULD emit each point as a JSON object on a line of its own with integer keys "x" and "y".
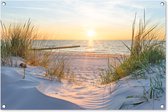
{"x": 85, "y": 92}
{"x": 83, "y": 55}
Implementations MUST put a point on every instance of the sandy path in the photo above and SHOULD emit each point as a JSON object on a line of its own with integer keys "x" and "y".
{"x": 87, "y": 69}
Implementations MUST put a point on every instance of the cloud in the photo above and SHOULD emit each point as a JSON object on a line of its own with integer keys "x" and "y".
{"x": 91, "y": 12}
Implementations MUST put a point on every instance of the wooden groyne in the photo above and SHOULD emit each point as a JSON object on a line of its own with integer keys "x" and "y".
{"x": 63, "y": 47}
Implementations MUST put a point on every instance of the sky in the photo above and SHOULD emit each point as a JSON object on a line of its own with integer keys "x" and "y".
{"x": 83, "y": 19}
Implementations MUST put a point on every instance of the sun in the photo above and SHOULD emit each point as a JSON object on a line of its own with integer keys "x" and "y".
{"x": 91, "y": 33}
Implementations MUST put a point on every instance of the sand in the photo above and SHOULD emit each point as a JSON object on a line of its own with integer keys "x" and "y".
{"x": 18, "y": 93}
{"x": 36, "y": 92}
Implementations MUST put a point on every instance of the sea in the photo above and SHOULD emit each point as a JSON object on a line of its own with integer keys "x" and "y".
{"x": 86, "y": 46}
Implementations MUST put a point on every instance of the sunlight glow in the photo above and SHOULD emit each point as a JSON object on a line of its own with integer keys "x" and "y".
{"x": 91, "y": 33}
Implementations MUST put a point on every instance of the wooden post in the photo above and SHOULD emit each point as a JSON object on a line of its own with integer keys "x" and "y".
{"x": 63, "y": 47}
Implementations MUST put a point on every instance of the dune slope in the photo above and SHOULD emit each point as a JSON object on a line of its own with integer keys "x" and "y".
{"x": 18, "y": 93}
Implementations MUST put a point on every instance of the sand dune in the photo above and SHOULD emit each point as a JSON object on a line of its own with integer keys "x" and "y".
{"x": 18, "y": 93}
{"x": 36, "y": 92}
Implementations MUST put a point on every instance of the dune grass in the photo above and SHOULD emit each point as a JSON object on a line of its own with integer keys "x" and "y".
{"x": 59, "y": 69}
{"x": 16, "y": 40}
{"x": 39, "y": 58}
{"x": 146, "y": 49}
{"x": 56, "y": 69}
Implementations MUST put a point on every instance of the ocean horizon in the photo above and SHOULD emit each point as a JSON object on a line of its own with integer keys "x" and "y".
{"x": 86, "y": 46}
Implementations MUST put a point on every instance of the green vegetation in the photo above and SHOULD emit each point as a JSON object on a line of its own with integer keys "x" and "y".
{"x": 147, "y": 60}
{"x": 146, "y": 49}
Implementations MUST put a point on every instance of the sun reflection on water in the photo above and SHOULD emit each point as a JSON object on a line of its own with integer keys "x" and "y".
{"x": 90, "y": 46}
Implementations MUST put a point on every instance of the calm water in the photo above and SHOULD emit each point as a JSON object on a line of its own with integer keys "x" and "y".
{"x": 95, "y": 46}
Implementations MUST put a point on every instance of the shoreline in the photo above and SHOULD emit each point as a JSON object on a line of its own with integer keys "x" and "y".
{"x": 87, "y": 54}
